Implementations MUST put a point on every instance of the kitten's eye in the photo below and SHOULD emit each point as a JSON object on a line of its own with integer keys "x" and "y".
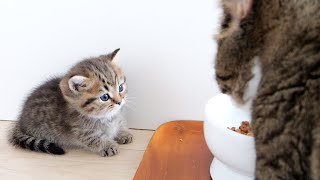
{"x": 121, "y": 88}
{"x": 105, "y": 97}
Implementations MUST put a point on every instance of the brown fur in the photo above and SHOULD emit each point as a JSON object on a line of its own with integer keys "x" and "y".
{"x": 68, "y": 112}
{"x": 285, "y": 35}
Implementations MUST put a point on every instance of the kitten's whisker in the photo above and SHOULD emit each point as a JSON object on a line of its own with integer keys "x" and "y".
{"x": 130, "y": 108}
{"x": 131, "y": 97}
{"x": 131, "y": 103}
{"x": 130, "y": 100}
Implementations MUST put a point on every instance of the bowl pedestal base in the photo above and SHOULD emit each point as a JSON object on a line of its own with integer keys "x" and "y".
{"x": 220, "y": 171}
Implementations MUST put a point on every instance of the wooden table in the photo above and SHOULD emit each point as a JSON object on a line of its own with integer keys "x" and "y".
{"x": 177, "y": 151}
{"x": 17, "y": 164}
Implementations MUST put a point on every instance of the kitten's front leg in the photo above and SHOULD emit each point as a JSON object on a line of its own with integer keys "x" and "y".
{"x": 102, "y": 144}
{"x": 124, "y": 136}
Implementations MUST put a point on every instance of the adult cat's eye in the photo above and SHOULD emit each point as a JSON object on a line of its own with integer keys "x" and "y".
{"x": 105, "y": 97}
{"x": 226, "y": 21}
{"x": 121, "y": 88}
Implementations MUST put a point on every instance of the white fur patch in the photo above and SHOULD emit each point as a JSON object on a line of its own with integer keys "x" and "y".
{"x": 252, "y": 88}
{"x": 113, "y": 129}
{"x": 76, "y": 80}
{"x": 110, "y": 115}
{"x": 114, "y": 112}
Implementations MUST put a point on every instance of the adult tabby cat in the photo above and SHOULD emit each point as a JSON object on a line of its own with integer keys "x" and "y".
{"x": 269, "y": 55}
{"x": 79, "y": 109}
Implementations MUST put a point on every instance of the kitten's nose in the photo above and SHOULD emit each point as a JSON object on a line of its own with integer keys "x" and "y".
{"x": 118, "y": 102}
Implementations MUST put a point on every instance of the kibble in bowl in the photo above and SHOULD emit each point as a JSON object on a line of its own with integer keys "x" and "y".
{"x": 234, "y": 153}
{"x": 244, "y": 128}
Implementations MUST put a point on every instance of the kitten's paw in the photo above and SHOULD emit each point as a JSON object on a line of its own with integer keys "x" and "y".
{"x": 109, "y": 151}
{"x": 124, "y": 137}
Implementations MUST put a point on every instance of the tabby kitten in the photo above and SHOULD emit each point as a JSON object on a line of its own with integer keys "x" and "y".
{"x": 80, "y": 109}
{"x": 269, "y": 55}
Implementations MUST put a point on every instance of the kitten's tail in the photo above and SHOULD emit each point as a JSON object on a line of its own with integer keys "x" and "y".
{"x": 22, "y": 140}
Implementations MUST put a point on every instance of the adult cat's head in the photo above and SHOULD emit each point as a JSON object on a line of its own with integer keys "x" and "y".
{"x": 239, "y": 43}
{"x": 95, "y": 87}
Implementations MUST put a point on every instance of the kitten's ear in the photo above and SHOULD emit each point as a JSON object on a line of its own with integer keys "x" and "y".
{"x": 111, "y": 56}
{"x": 238, "y": 9}
{"x": 78, "y": 83}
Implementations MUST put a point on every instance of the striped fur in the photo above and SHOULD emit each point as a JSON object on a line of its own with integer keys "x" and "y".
{"x": 25, "y": 141}
{"x": 69, "y": 111}
{"x": 270, "y": 62}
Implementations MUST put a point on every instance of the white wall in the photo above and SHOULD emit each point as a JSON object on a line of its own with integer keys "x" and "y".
{"x": 166, "y": 51}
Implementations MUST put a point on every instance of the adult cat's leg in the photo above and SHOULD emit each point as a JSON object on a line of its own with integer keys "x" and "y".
{"x": 315, "y": 156}
{"x": 315, "y": 99}
{"x": 280, "y": 126}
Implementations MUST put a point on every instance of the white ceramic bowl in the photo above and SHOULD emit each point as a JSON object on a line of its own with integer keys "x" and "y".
{"x": 234, "y": 153}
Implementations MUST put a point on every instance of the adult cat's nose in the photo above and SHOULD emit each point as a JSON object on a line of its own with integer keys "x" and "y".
{"x": 224, "y": 90}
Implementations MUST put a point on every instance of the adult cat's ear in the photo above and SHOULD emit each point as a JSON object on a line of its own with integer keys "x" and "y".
{"x": 79, "y": 83}
{"x": 238, "y": 9}
{"x": 110, "y": 57}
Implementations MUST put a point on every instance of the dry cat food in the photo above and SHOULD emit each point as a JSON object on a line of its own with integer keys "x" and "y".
{"x": 244, "y": 128}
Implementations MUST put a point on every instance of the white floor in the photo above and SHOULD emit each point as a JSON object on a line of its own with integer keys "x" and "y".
{"x": 75, "y": 164}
